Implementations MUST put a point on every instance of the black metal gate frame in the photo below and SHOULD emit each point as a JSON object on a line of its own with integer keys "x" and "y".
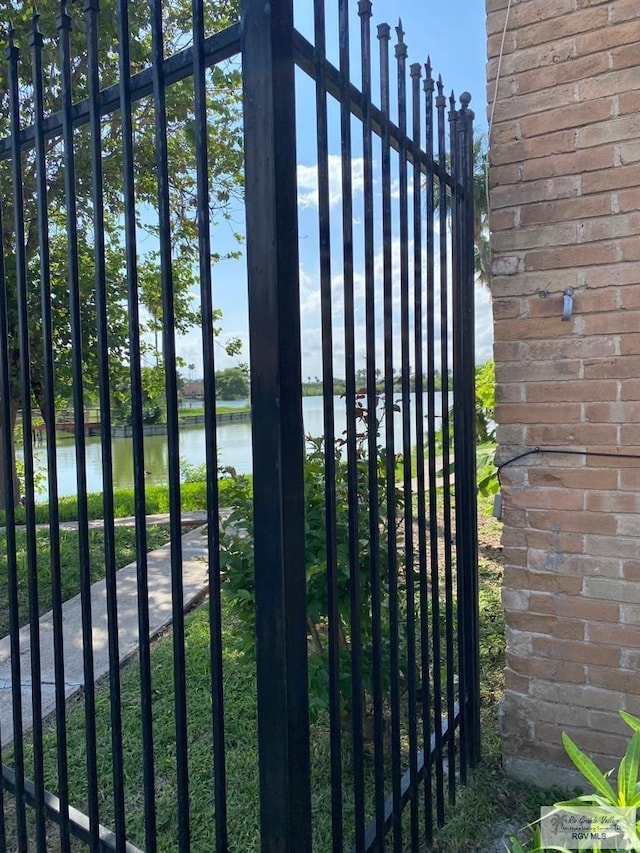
{"x": 271, "y": 49}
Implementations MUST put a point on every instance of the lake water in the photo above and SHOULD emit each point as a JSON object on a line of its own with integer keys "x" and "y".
{"x": 234, "y": 448}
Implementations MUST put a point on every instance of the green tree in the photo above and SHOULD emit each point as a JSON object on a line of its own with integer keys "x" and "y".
{"x": 232, "y": 383}
{"x": 482, "y": 254}
{"x": 225, "y": 160}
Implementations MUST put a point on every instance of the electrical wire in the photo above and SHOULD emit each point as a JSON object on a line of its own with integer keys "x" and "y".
{"x": 566, "y": 452}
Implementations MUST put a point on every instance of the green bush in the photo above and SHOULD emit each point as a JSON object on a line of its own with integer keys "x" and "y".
{"x": 237, "y": 558}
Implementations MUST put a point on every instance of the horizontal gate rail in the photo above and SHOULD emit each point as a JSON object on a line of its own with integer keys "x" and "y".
{"x": 216, "y": 48}
{"x": 446, "y": 733}
{"x": 305, "y": 59}
{"x": 78, "y": 821}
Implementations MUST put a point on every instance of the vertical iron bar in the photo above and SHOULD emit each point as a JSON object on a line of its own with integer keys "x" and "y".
{"x": 324, "y": 233}
{"x": 173, "y": 438}
{"x": 277, "y": 428}
{"x": 64, "y": 30}
{"x": 384, "y": 35}
{"x": 148, "y": 769}
{"x": 375, "y": 677}
{"x": 8, "y": 450}
{"x": 466, "y": 513}
{"x": 25, "y": 387}
{"x": 458, "y": 202}
{"x": 421, "y": 508}
{"x": 352, "y": 459}
{"x": 434, "y": 545}
{"x": 401, "y": 57}
{"x": 446, "y": 439}
{"x": 50, "y": 426}
{"x": 91, "y": 9}
{"x": 211, "y": 445}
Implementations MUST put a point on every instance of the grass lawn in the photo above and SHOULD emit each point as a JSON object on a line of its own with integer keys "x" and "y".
{"x": 193, "y": 496}
{"x": 471, "y": 824}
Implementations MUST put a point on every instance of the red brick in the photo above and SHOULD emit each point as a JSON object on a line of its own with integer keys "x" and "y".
{"x": 527, "y": 413}
{"x": 612, "y": 323}
{"x": 572, "y": 163}
{"x": 612, "y": 368}
{"x": 572, "y": 479}
{"x": 607, "y": 132}
{"x": 550, "y": 582}
{"x": 583, "y": 522}
{"x": 607, "y": 37}
{"x": 582, "y": 21}
{"x": 613, "y": 502}
{"x": 573, "y": 650}
{"x": 524, "y": 193}
{"x": 565, "y": 210}
{"x": 588, "y": 609}
{"x": 564, "y": 499}
{"x": 611, "y": 83}
{"x": 628, "y": 200}
{"x": 628, "y": 102}
{"x": 614, "y": 635}
{"x": 573, "y": 115}
{"x": 605, "y": 228}
{"x": 619, "y": 177}
{"x": 601, "y": 389}
{"x": 570, "y": 435}
{"x": 517, "y": 150}
{"x": 625, "y": 56}
{"x": 623, "y": 10}
{"x": 574, "y": 256}
{"x": 561, "y": 72}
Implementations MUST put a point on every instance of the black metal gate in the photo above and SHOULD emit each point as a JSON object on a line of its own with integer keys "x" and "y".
{"x": 360, "y": 695}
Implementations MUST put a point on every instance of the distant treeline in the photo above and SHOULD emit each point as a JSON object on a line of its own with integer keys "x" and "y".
{"x": 314, "y": 388}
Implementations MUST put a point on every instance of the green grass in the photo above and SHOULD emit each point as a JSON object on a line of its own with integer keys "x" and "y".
{"x": 193, "y": 496}
{"x": 125, "y": 539}
{"x": 220, "y": 410}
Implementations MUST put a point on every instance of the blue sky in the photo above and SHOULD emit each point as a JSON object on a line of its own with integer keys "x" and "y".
{"x": 453, "y": 35}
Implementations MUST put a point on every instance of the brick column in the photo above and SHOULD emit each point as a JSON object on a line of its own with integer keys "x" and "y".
{"x": 565, "y": 212}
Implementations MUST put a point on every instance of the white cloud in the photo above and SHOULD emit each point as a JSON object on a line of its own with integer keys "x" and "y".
{"x": 308, "y": 181}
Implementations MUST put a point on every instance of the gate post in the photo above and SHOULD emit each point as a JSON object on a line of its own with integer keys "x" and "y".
{"x": 464, "y": 429}
{"x": 277, "y": 429}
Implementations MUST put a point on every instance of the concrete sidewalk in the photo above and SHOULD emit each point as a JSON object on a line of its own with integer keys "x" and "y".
{"x": 194, "y": 574}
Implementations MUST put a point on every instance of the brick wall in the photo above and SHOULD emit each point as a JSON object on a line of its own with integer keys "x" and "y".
{"x": 565, "y": 212}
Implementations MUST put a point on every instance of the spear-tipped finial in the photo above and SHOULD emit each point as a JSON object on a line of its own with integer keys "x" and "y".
{"x": 36, "y": 35}
{"x": 452, "y": 100}
{"x": 440, "y": 84}
{"x": 401, "y": 48}
{"x": 428, "y": 80}
{"x": 63, "y": 21}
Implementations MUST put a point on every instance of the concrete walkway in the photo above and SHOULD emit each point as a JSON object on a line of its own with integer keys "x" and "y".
{"x": 194, "y": 574}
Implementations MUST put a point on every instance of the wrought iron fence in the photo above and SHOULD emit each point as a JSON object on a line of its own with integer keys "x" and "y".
{"x": 359, "y": 546}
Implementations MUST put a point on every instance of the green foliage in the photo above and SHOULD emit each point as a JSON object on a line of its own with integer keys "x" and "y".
{"x": 232, "y": 383}
{"x": 225, "y": 157}
{"x": 605, "y": 798}
{"x": 237, "y": 558}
